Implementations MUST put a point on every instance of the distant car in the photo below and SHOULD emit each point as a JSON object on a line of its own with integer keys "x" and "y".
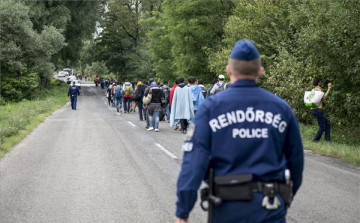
{"x": 77, "y": 83}
{"x": 70, "y": 79}
{"x": 62, "y": 74}
{"x": 68, "y": 71}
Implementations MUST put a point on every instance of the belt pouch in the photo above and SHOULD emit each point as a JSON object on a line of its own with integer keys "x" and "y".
{"x": 286, "y": 193}
{"x": 234, "y": 187}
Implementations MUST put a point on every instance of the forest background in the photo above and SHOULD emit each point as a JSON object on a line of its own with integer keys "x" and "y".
{"x": 165, "y": 39}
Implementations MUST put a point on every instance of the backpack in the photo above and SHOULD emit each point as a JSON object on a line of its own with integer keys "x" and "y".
{"x": 128, "y": 90}
{"x": 137, "y": 94}
{"x": 203, "y": 91}
{"x": 220, "y": 87}
{"x": 166, "y": 91}
{"x": 118, "y": 93}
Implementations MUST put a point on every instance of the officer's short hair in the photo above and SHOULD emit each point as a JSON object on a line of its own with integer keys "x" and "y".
{"x": 245, "y": 67}
{"x": 200, "y": 81}
{"x": 181, "y": 80}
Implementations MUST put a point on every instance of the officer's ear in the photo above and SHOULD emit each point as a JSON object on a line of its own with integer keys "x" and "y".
{"x": 228, "y": 70}
{"x": 261, "y": 71}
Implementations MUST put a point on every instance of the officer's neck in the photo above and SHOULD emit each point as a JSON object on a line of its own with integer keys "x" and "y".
{"x": 234, "y": 78}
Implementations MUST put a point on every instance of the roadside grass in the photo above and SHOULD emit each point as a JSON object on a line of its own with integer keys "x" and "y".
{"x": 345, "y": 143}
{"x": 17, "y": 120}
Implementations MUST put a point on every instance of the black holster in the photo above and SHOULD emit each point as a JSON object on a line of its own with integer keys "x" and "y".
{"x": 286, "y": 192}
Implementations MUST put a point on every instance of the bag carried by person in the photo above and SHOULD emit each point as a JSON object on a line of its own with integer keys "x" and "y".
{"x": 118, "y": 93}
{"x": 166, "y": 98}
{"x": 128, "y": 90}
{"x": 137, "y": 94}
{"x": 203, "y": 91}
{"x": 312, "y": 98}
{"x": 147, "y": 99}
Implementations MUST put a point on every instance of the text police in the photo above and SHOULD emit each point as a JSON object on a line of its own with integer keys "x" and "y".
{"x": 245, "y": 143}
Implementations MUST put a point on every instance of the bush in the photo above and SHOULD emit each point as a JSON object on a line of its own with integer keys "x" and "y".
{"x": 56, "y": 82}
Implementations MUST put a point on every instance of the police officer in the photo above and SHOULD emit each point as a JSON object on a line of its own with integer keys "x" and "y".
{"x": 73, "y": 93}
{"x": 251, "y": 141}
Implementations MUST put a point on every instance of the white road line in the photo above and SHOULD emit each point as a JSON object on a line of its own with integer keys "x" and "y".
{"x": 105, "y": 103}
{"x": 165, "y": 151}
{"x": 131, "y": 123}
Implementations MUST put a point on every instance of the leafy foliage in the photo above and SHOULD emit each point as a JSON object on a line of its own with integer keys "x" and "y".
{"x": 122, "y": 45}
{"x": 96, "y": 69}
{"x": 37, "y": 36}
{"x": 299, "y": 41}
{"x": 185, "y": 33}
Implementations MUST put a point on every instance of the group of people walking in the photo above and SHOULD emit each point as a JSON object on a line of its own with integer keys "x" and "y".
{"x": 159, "y": 102}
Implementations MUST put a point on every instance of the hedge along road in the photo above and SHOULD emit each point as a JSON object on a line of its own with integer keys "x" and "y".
{"x": 91, "y": 165}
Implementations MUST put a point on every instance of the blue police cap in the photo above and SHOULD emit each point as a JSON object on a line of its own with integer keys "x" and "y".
{"x": 244, "y": 50}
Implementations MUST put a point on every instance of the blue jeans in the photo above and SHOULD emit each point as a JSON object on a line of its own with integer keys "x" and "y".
{"x": 324, "y": 125}
{"x": 155, "y": 115}
{"x": 73, "y": 102}
{"x": 118, "y": 102}
{"x": 127, "y": 104}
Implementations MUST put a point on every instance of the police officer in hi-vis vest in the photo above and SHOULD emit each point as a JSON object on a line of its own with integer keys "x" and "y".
{"x": 246, "y": 145}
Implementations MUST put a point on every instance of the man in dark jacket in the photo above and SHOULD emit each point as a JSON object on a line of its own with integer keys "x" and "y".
{"x": 140, "y": 90}
{"x": 250, "y": 139}
{"x": 73, "y": 93}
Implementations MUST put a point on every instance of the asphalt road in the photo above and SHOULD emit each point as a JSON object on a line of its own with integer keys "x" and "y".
{"x": 91, "y": 165}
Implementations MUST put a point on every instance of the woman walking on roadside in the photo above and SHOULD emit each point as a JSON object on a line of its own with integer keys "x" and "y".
{"x": 155, "y": 106}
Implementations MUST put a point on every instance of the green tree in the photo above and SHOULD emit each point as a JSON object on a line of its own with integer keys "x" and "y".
{"x": 122, "y": 44}
{"x": 190, "y": 30}
{"x": 25, "y": 53}
{"x": 298, "y": 41}
{"x": 96, "y": 69}
{"x": 37, "y": 36}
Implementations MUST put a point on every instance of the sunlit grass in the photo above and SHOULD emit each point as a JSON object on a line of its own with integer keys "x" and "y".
{"x": 345, "y": 143}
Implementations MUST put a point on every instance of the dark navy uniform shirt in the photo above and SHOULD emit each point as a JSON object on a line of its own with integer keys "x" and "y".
{"x": 244, "y": 129}
{"x": 73, "y": 91}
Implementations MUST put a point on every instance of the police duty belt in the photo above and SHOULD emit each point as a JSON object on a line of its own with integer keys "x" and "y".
{"x": 240, "y": 188}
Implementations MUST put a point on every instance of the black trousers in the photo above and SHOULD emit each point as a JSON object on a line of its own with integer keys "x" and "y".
{"x": 140, "y": 106}
{"x": 184, "y": 124}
